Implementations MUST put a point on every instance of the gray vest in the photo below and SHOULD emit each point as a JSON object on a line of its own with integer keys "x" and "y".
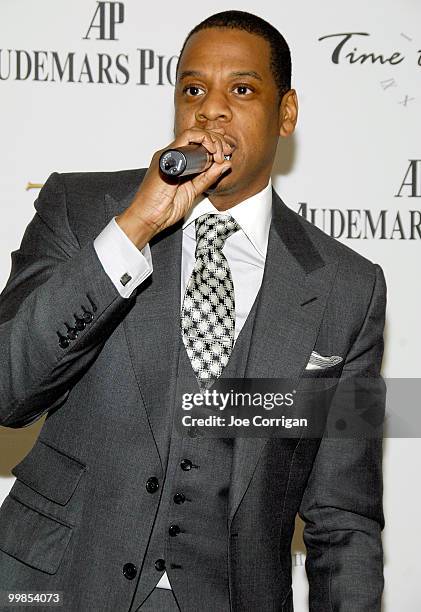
{"x": 190, "y": 531}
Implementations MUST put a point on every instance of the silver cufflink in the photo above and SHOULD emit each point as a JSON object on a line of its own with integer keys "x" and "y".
{"x": 126, "y": 278}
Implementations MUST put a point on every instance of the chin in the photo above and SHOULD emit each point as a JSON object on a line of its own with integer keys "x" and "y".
{"x": 219, "y": 186}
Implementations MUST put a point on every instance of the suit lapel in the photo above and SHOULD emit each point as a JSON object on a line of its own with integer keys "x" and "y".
{"x": 152, "y": 327}
{"x": 293, "y": 296}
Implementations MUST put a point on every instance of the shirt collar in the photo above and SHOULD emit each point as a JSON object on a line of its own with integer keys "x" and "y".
{"x": 254, "y": 216}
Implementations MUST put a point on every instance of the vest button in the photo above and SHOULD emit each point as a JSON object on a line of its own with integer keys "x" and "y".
{"x": 179, "y": 498}
{"x": 186, "y": 465}
{"x": 174, "y": 530}
{"x": 129, "y": 571}
{"x": 152, "y": 484}
{"x": 160, "y": 565}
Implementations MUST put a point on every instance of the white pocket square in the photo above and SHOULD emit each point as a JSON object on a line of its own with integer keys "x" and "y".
{"x": 319, "y": 362}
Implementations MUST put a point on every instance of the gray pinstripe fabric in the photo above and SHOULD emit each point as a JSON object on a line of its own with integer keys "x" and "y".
{"x": 79, "y": 511}
{"x": 160, "y": 600}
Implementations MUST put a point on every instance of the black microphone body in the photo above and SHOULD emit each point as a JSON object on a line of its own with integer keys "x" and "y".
{"x": 182, "y": 161}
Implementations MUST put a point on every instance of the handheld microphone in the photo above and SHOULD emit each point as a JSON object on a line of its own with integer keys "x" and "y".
{"x": 182, "y": 161}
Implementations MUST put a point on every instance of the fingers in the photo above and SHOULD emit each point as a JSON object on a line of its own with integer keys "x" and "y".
{"x": 162, "y": 200}
{"x": 214, "y": 142}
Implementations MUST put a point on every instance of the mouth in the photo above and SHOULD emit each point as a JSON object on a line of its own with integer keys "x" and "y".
{"x": 233, "y": 144}
{"x": 229, "y": 156}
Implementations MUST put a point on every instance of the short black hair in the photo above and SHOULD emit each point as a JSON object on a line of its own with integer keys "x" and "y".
{"x": 280, "y": 55}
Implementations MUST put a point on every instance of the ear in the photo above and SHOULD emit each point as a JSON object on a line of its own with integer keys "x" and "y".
{"x": 288, "y": 113}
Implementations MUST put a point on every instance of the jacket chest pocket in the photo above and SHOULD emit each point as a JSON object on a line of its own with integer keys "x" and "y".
{"x": 43, "y": 507}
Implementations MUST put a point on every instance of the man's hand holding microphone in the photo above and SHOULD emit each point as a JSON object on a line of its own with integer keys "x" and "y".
{"x": 161, "y": 200}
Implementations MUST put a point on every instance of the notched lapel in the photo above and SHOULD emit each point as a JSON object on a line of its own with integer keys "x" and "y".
{"x": 152, "y": 327}
{"x": 293, "y": 296}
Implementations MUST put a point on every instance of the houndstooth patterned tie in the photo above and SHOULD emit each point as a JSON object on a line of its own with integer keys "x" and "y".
{"x": 208, "y": 312}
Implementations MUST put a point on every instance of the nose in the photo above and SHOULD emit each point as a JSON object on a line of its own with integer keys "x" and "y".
{"x": 214, "y": 108}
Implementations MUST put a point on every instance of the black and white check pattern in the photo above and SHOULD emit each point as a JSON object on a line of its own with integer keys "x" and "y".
{"x": 208, "y": 312}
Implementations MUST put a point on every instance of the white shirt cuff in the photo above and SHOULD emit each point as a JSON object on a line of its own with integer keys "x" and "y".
{"x": 124, "y": 263}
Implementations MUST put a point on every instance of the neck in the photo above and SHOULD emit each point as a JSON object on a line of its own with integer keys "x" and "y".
{"x": 224, "y": 200}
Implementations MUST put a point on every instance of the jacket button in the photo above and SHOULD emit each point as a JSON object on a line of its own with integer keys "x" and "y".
{"x": 72, "y": 333}
{"x": 179, "y": 498}
{"x": 186, "y": 465}
{"x": 87, "y": 316}
{"x": 160, "y": 565}
{"x": 80, "y": 323}
{"x": 64, "y": 342}
{"x": 129, "y": 571}
{"x": 174, "y": 530}
{"x": 152, "y": 484}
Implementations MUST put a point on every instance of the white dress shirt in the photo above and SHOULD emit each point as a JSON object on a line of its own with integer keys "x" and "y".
{"x": 245, "y": 251}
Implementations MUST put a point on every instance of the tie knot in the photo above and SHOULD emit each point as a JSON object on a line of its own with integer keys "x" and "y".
{"x": 212, "y": 231}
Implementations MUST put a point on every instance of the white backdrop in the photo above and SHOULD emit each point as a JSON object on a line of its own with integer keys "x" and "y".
{"x": 357, "y": 146}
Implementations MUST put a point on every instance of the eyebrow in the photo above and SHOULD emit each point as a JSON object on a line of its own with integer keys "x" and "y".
{"x": 239, "y": 73}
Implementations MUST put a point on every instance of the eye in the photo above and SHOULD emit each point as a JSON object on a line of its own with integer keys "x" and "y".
{"x": 243, "y": 90}
{"x": 193, "y": 90}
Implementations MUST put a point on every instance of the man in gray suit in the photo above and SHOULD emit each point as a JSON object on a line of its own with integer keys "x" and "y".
{"x": 113, "y": 507}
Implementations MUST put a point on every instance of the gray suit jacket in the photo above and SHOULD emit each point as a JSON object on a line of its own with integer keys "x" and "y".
{"x": 78, "y": 510}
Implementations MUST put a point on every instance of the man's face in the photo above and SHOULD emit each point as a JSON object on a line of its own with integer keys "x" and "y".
{"x": 225, "y": 83}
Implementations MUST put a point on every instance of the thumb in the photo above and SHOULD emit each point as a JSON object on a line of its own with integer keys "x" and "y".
{"x": 204, "y": 180}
